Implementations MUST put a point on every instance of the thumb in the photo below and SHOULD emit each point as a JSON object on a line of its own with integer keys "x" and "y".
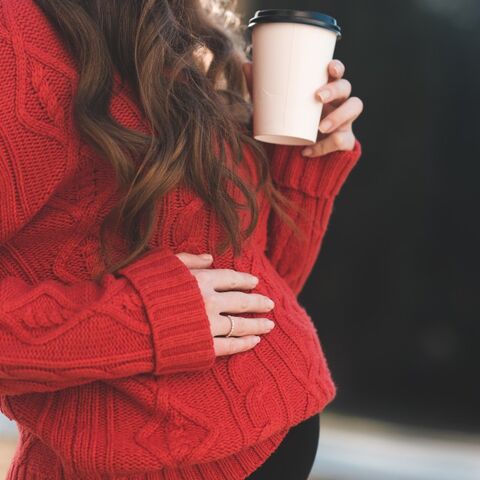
{"x": 192, "y": 260}
{"x": 248, "y": 71}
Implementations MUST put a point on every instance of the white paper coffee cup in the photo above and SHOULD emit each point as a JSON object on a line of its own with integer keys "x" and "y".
{"x": 291, "y": 50}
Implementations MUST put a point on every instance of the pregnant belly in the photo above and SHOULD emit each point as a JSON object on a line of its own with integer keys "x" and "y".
{"x": 195, "y": 417}
{"x": 245, "y": 398}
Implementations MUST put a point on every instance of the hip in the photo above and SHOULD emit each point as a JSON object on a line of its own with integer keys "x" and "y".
{"x": 295, "y": 456}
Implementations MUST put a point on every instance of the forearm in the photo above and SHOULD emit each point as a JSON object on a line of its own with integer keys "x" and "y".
{"x": 312, "y": 184}
{"x": 54, "y": 336}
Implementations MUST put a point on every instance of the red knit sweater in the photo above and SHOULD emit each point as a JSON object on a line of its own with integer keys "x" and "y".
{"x": 118, "y": 379}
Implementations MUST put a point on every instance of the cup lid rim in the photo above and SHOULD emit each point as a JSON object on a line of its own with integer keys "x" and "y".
{"x": 308, "y": 17}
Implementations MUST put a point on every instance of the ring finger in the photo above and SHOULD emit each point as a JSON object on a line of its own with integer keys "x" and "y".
{"x": 243, "y": 326}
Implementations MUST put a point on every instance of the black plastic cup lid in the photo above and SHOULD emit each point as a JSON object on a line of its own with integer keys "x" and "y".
{"x": 296, "y": 16}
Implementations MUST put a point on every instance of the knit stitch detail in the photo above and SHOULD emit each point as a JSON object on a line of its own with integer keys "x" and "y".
{"x": 108, "y": 323}
{"x": 175, "y": 307}
{"x": 315, "y": 176}
{"x": 117, "y": 379}
{"x": 47, "y": 97}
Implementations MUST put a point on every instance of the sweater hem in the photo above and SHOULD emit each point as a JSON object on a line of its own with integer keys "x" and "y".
{"x": 234, "y": 467}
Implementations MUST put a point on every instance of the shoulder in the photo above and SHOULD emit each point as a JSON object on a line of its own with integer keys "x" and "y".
{"x": 37, "y": 141}
{"x": 26, "y": 20}
{"x": 37, "y": 74}
{"x": 27, "y": 35}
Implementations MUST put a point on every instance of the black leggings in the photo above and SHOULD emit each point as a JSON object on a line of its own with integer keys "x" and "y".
{"x": 294, "y": 457}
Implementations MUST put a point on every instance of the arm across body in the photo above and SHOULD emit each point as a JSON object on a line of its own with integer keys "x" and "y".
{"x": 151, "y": 319}
{"x": 312, "y": 183}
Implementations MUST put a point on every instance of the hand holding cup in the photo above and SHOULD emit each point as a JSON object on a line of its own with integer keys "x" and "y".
{"x": 339, "y": 112}
{"x": 299, "y": 94}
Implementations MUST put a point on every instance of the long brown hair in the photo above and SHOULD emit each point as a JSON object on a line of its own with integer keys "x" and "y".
{"x": 188, "y": 109}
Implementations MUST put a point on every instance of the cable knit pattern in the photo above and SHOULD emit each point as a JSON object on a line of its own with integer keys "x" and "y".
{"x": 117, "y": 379}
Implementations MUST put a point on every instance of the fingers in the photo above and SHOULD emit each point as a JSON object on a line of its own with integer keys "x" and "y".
{"x": 192, "y": 260}
{"x": 240, "y": 302}
{"x": 336, "y": 69}
{"x": 334, "y": 91}
{"x": 242, "y": 326}
{"x": 347, "y": 112}
{"x": 223, "y": 279}
{"x": 338, "y": 140}
{"x": 245, "y": 335}
{"x": 231, "y": 345}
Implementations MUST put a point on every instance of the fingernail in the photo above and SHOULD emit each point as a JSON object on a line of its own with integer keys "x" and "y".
{"x": 270, "y": 324}
{"x": 324, "y": 95}
{"x": 307, "y": 151}
{"x": 325, "y": 126}
{"x": 206, "y": 256}
{"x": 256, "y": 340}
{"x": 270, "y": 303}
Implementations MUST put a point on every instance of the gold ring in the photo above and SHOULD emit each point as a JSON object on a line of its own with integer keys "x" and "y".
{"x": 229, "y": 334}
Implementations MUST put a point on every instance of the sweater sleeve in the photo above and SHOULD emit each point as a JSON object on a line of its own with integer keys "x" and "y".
{"x": 149, "y": 319}
{"x": 312, "y": 183}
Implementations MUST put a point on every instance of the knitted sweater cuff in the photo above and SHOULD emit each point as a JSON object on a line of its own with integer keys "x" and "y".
{"x": 321, "y": 176}
{"x": 174, "y": 304}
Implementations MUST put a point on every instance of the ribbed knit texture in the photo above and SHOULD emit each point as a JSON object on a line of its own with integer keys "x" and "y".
{"x": 117, "y": 379}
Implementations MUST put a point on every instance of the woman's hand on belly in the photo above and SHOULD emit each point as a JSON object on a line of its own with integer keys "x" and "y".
{"x": 218, "y": 289}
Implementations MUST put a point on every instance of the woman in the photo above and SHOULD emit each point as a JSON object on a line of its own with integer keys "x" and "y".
{"x": 125, "y": 154}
